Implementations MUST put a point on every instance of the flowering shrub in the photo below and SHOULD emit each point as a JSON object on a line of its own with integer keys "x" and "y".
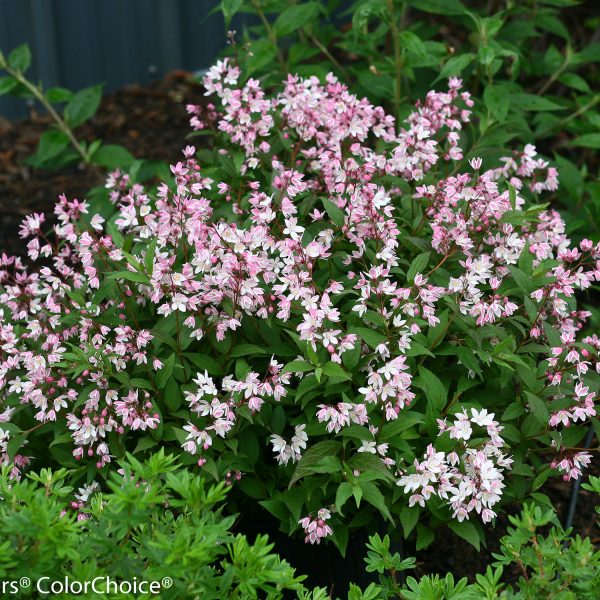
{"x": 328, "y": 305}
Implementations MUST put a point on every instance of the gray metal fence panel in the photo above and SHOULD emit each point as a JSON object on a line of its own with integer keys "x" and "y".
{"x": 76, "y": 43}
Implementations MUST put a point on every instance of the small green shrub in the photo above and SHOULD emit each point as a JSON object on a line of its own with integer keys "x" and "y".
{"x": 156, "y": 521}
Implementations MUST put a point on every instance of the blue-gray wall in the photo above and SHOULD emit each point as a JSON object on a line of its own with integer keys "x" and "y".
{"x": 76, "y": 43}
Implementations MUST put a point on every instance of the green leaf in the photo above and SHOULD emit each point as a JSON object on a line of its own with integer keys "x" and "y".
{"x": 434, "y": 389}
{"x": 313, "y": 456}
{"x": 574, "y": 81}
{"x": 84, "y": 105}
{"x": 295, "y": 16}
{"x": 439, "y": 7}
{"x": 497, "y": 101}
{"x": 173, "y": 395}
{"x": 327, "y": 464}
{"x": 278, "y": 420}
{"x": 7, "y": 84}
{"x": 486, "y": 55}
{"x": 56, "y": 95}
{"x": 369, "y": 336}
{"x": 455, "y": 65}
{"x": 332, "y": 369}
{"x": 523, "y": 280}
{"x": 417, "y": 266}
{"x": 541, "y": 478}
{"x": 150, "y": 255}
{"x": 411, "y": 42}
{"x": 261, "y": 53}
{"x": 373, "y": 496}
{"x": 365, "y": 461}
{"x": 20, "y": 58}
{"x": 51, "y": 144}
{"x": 587, "y": 140}
{"x": 538, "y": 407}
{"x": 247, "y": 350}
{"x": 145, "y": 443}
{"x": 467, "y": 531}
{"x": 204, "y": 362}
{"x": 230, "y": 8}
{"x": 298, "y": 366}
{"x": 570, "y": 176}
{"x": 424, "y": 536}
{"x": 164, "y": 374}
{"x": 130, "y": 276}
{"x": 409, "y": 515}
{"x": 531, "y": 102}
{"x": 393, "y": 428}
{"x": 335, "y": 214}
{"x": 468, "y": 359}
{"x": 112, "y": 156}
{"x": 351, "y": 357}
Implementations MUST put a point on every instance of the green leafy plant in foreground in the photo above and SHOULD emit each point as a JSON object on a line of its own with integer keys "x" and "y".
{"x": 155, "y": 520}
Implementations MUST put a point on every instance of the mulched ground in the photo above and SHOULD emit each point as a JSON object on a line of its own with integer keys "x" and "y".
{"x": 151, "y": 122}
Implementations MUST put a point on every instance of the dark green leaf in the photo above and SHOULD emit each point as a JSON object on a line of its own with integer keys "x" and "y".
{"x": 467, "y": 531}
{"x": 439, "y": 7}
{"x": 51, "y": 144}
{"x": 312, "y": 457}
{"x": 7, "y": 84}
{"x": 112, "y": 156}
{"x": 165, "y": 373}
{"x": 369, "y": 336}
{"x": 298, "y": 366}
{"x": 434, "y": 389}
{"x": 497, "y": 101}
{"x": 455, "y": 65}
{"x": 531, "y": 102}
{"x": 332, "y": 369}
{"x": 411, "y": 42}
{"x": 587, "y": 140}
{"x": 295, "y": 16}
{"x": 20, "y": 58}
{"x": 373, "y": 496}
{"x": 335, "y": 214}
{"x": 417, "y": 266}
{"x": 344, "y": 492}
{"x": 230, "y": 8}
{"x": 83, "y": 106}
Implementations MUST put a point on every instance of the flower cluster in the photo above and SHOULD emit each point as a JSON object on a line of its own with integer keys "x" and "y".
{"x": 320, "y": 274}
{"x": 468, "y": 478}
{"x": 316, "y": 528}
{"x": 290, "y": 451}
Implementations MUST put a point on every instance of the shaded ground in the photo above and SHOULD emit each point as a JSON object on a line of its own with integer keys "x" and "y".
{"x": 151, "y": 122}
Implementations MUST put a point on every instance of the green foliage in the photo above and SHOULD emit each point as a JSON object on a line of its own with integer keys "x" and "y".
{"x": 59, "y": 146}
{"x": 555, "y": 566}
{"x": 156, "y": 520}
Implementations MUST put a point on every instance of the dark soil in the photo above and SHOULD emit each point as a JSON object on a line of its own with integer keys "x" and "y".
{"x": 152, "y": 123}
